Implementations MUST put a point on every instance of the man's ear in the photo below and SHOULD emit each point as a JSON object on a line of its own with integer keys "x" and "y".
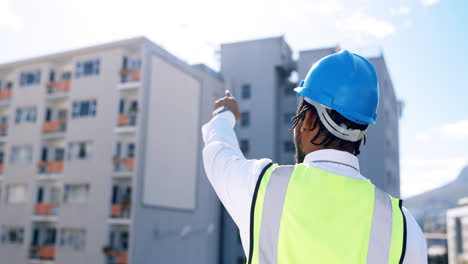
{"x": 308, "y": 122}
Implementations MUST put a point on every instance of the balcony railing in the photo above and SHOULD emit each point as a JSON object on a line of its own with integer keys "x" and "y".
{"x": 6, "y": 94}
{"x": 120, "y": 210}
{"x": 50, "y": 166}
{"x": 128, "y": 75}
{"x": 58, "y": 86}
{"x": 3, "y": 130}
{"x": 46, "y": 209}
{"x": 54, "y": 126}
{"x": 123, "y": 164}
{"x": 42, "y": 252}
{"x": 127, "y": 120}
{"x": 116, "y": 257}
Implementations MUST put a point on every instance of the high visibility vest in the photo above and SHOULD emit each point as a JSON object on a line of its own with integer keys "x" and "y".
{"x": 301, "y": 215}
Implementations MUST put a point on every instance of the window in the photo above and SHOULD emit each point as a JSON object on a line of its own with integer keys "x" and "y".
{"x": 66, "y": 75}
{"x": 87, "y": 68}
{"x": 131, "y": 150}
{"x": 288, "y": 118}
{"x": 76, "y": 193}
{"x": 244, "y": 146}
{"x": 25, "y": 115}
{"x": 245, "y": 119}
{"x": 30, "y": 78}
{"x": 72, "y": 238}
{"x": 289, "y": 146}
{"x": 79, "y": 150}
{"x": 9, "y": 85}
{"x": 16, "y": 193}
{"x": 12, "y": 235}
{"x": 21, "y": 154}
{"x": 246, "y": 91}
{"x": 84, "y": 108}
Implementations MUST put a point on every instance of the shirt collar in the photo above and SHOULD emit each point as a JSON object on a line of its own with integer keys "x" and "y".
{"x": 333, "y": 156}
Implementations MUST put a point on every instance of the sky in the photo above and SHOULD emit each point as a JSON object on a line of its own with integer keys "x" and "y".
{"x": 424, "y": 43}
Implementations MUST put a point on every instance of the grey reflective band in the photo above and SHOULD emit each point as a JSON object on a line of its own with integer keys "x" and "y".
{"x": 352, "y": 135}
{"x": 381, "y": 229}
{"x": 271, "y": 216}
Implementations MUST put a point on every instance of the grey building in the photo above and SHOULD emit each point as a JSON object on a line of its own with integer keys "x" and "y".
{"x": 457, "y": 233}
{"x": 97, "y": 166}
{"x": 261, "y": 73}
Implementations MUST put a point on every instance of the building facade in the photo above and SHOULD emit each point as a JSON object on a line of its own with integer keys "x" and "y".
{"x": 79, "y": 147}
{"x": 97, "y": 166}
{"x": 457, "y": 233}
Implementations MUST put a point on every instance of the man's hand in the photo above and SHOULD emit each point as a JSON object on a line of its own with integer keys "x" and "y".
{"x": 230, "y": 103}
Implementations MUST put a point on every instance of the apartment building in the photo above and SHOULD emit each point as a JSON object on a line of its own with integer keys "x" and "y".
{"x": 96, "y": 163}
{"x": 262, "y": 74}
{"x": 457, "y": 233}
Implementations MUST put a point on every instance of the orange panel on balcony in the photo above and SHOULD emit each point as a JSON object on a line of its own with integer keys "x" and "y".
{"x": 55, "y": 166}
{"x": 123, "y": 120}
{"x": 5, "y": 94}
{"x": 1, "y": 168}
{"x": 124, "y": 71}
{"x": 3, "y": 128}
{"x": 135, "y": 75}
{"x": 129, "y": 163}
{"x": 62, "y": 86}
{"x": 47, "y": 252}
{"x": 122, "y": 258}
{"x": 52, "y": 126}
{"x": 116, "y": 210}
{"x": 44, "y": 208}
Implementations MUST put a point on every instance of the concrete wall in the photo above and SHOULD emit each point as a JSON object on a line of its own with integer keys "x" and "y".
{"x": 97, "y": 171}
{"x": 170, "y": 234}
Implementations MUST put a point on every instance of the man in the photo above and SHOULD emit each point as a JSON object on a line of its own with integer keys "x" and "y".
{"x": 321, "y": 210}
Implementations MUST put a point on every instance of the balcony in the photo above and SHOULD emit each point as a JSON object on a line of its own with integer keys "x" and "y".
{"x": 48, "y": 209}
{"x": 116, "y": 257}
{"x": 43, "y": 238}
{"x": 6, "y": 94}
{"x": 123, "y": 164}
{"x": 127, "y": 120}
{"x": 3, "y": 130}
{"x": 54, "y": 126}
{"x": 50, "y": 167}
{"x": 62, "y": 86}
{"x": 42, "y": 252}
{"x": 121, "y": 210}
{"x": 127, "y": 75}
{"x": 116, "y": 251}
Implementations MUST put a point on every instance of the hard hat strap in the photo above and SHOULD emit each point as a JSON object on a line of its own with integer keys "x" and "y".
{"x": 352, "y": 135}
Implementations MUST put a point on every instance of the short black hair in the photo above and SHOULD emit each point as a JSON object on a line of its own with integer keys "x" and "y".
{"x": 329, "y": 138}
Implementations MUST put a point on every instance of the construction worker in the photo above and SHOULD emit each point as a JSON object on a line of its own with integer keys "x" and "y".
{"x": 321, "y": 210}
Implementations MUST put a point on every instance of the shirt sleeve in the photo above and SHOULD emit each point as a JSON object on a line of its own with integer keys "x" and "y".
{"x": 416, "y": 248}
{"x": 232, "y": 176}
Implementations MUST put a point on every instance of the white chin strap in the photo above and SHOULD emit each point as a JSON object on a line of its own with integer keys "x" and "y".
{"x": 342, "y": 131}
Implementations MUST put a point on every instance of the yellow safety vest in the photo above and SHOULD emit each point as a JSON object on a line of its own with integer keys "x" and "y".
{"x": 304, "y": 215}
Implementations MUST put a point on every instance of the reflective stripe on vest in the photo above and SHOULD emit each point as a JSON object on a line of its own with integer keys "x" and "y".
{"x": 369, "y": 230}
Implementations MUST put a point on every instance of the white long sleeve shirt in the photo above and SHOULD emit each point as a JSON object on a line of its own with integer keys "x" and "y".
{"x": 234, "y": 177}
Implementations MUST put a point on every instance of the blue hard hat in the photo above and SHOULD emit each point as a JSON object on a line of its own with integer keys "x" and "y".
{"x": 345, "y": 82}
